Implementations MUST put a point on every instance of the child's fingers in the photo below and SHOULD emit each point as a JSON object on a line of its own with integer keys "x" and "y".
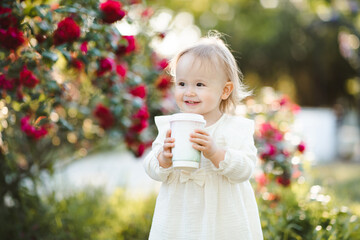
{"x": 199, "y": 141}
{"x": 168, "y": 133}
{"x": 168, "y": 145}
{"x": 167, "y": 154}
{"x": 169, "y": 140}
{"x": 198, "y": 147}
{"x": 201, "y": 131}
{"x": 199, "y": 135}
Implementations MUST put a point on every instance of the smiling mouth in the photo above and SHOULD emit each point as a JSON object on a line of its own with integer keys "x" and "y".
{"x": 192, "y": 103}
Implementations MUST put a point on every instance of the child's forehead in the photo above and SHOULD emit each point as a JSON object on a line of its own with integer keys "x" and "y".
{"x": 193, "y": 61}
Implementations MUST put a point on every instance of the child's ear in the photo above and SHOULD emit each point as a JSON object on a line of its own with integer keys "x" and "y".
{"x": 228, "y": 88}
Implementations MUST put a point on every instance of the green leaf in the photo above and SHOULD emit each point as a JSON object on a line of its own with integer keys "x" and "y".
{"x": 50, "y": 56}
{"x": 65, "y": 124}
{"x": 66, "y": 10}
{"x": 66, "y": 54}
{"x": 44, "y": 26}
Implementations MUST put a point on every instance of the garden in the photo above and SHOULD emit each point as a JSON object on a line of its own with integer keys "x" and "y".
{"x": 88, "y": 76}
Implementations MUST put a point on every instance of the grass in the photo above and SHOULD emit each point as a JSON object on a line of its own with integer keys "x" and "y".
{"x": 342, "y": 180}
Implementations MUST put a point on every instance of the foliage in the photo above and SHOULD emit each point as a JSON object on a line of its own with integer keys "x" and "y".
{"x": 307, "y": 49}
{"x": 305, "y": 213}
{"x": 298, "y": 212}
{"x": 280, "y": 149}
{"x": 71, "y": 83}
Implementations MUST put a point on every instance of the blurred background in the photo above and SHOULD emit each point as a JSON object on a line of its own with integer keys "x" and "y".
{"x": 302, "y": 55}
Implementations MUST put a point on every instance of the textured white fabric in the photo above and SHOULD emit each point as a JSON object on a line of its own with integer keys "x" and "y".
{"x": 211, "y": 203}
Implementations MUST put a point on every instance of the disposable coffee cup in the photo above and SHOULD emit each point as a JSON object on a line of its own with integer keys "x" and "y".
{"x": 185, "y": 157}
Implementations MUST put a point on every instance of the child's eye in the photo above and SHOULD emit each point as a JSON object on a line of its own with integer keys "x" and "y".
{"x": 200, "y": 85}
{"x": 181, "y": 84}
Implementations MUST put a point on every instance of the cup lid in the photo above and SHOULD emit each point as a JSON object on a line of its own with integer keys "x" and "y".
{"x": 187, "y": 117}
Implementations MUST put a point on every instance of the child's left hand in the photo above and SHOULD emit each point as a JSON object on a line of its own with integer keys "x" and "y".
{"x": 203, "y": 142}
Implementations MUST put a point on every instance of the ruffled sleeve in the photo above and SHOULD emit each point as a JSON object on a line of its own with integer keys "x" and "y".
{"x": 151, "y": 163}
{"x": 241, "y": 153}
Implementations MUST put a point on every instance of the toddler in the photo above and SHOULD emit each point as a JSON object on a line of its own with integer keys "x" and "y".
{"x": 215, "y": 202}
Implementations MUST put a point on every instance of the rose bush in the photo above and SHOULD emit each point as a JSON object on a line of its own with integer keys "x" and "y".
{"x": 280, "y": 149}
{"x": 71, "y": 83}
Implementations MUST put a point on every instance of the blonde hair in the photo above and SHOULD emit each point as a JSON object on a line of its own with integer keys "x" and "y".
{"x": 210, "y": 48}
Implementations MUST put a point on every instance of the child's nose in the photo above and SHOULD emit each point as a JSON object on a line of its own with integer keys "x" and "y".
{"x": 189, "y": 92}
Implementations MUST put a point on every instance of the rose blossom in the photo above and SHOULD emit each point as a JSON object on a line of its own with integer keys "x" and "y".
{"x": 30, "y": 130}
{"x": 162, "y": 64}
{"x": 11, "y": 38}
{"x": 7, "y": 19}
{"x": 77, "y": 64}
{"x": 138, "y": 91}
{"x": 105, "y": 116}
{"x": 84, "y": 47}
{"x": 130, "y": 47}
{"x": 140, "y": 120}
{"x": 105, "y": 65}
{"x": 28, "y": 78}
{"x": 6, "y": 84}
{"x": 163, "y": 82}
{"x": 121, "y": 69}
{"x": 283, "y": 181}
{"x": 301, "y": 147}
{"x": 112, "y": 11}
{"x": 67, "y": 31}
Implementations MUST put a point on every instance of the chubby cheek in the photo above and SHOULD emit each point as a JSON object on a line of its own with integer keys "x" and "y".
{"x": 178, "y": 98}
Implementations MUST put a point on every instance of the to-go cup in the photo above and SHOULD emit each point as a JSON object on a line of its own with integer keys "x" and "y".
{"x": 185, "y": 157}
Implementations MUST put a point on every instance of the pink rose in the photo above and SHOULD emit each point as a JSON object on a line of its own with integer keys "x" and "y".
{"x": 121, "y": 69}
{"x": 84, "y": 47}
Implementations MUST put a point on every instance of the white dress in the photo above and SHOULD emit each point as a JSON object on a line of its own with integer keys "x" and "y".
{"x": 210, "y": 203}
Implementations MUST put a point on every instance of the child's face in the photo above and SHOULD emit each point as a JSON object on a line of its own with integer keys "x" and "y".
{"x": 199, "y": 87}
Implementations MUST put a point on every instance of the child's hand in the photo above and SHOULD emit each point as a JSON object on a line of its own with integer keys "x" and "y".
{"x": 165, "y": 157}
{"x": 204, "y": 143}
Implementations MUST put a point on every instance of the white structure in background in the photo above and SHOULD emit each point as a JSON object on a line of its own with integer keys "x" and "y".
{"x": 317, "y": 126}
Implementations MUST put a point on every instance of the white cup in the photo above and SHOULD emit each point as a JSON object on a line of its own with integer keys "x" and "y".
{"x": 185, "y": 157}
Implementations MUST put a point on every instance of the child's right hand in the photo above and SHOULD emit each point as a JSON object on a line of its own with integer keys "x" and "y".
{"x": 165, "y": 156}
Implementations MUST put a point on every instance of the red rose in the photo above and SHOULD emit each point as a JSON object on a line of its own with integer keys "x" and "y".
{"x": 84, "y": 47}
{"x": 112, "y": 11}
{"x": 105, "y": 116}
{"x": 77, "y": 64}
{"x": 30, "y": 130}
{"x": 11, "y": 38}
{"x": 105, "y": 65}
{"x": 28, "y": 78}
{"x": 67, "y": 31}
{"x": 285, "y": 181}
{"x": 6, "y": 84}
{"x": 139, "y": 91}
{"x": 6, "y": 19}
{"x": 140, "y": 120}
{"x": 163, "y": 82}
{"x": 129, "y": 47}
{"x": 162, "y": 64}
{"x": 301, "y": 147}
{"x": 121, "y": 70}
